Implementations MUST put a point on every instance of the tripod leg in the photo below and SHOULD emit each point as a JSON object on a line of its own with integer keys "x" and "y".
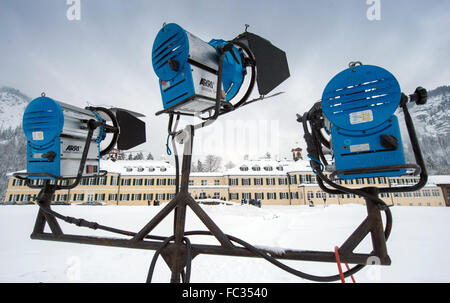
{"x": 44, "y": 200}
{"x": 180, "y": 222}
{"x": 156, "y": 220}
{"x": 215, "y": 230}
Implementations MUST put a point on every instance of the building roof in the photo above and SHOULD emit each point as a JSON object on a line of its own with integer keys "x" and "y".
{"x": 265, "y": 167}
{"x": 439, "y": 180}
{"x": 268, "y": 167}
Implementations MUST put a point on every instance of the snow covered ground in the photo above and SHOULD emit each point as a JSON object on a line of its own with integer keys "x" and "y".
{"x": 418, "y": 244}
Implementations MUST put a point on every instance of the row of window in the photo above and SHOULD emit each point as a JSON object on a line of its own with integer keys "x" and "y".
{"x": 79, "y": 197}
{"x": 303, "y": 179}
{"x": 263, "y": 196}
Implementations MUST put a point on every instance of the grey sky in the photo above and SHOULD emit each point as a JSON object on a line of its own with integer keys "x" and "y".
{"x": 105, "y": 57}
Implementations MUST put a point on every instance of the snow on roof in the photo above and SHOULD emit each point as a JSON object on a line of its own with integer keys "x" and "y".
{"x": 138, "y": 167}
{"x": 269, "y": 167}
{"x": 442, "y": 179}
{"x": 258, "y": 167}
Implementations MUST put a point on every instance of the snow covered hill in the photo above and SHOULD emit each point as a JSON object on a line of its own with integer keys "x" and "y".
{"x": 12, "y": 139}
{"x": 417, "y": 245}
{"x": 432, "y": 123}
{"x": 12, "y": 106}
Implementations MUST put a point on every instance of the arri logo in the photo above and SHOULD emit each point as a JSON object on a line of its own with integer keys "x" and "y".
{"x": 73, "y": 148}
{"x": 207, "y": 83}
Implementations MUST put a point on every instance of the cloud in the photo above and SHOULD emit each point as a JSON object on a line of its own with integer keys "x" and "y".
{"x": 105, "y": 57}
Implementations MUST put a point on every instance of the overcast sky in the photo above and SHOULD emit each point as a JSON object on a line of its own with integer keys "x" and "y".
{"x": 104, "y": 58}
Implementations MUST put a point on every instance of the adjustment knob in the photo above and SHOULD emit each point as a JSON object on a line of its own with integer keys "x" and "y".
{"x": 389, "y": 142}
{"x": 174, "y": 64}
{"x": 50, "y": 156}
{"x": 420, "y": 96}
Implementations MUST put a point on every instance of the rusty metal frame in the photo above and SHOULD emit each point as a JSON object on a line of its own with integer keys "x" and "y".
{"x": 175, "y": 251}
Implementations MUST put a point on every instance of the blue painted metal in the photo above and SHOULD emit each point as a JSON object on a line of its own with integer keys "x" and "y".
{"x": 43, "y": 121}
{"x": 233, "y": 72}
{"x": 177, "y": 84}
{"x": 172, "y": 43}
{"x": 360, "y": 103}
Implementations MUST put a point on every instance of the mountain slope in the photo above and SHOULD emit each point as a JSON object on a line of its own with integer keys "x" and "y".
{"x": 12, "y": 106}
{"x": 12, "y": 139}
{"x": 432, "y": 123}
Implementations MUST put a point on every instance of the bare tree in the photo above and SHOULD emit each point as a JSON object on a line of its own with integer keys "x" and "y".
{"x": 212, "y": 163}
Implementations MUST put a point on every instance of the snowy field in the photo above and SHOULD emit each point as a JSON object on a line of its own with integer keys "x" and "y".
{"x": 418, "y": 244}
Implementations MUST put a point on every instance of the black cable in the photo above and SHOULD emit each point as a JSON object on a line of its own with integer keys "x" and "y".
{"x": 289, "y": 269}
{"x": 186, "y": 276}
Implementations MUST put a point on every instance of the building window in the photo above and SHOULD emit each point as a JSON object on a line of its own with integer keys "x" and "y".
{"x": 321, "y": 195}
{"x": 284, "y": 196}
{"x": 271, "y": 196}
{"x": 216, "y": 182}
{"x": 280, "y": 168}
{"x": 160, "y": 196}
{"x": 294, "y": 195}
{"x": 259, "y": 196}
{"x": 246, "y": 181}
{"x": 293, "y": 179}
{"x": 370, "y": 180}
{"x": 282, "y": 181}
{"x": 256, "y": 168}
{"x": 310, "y": 195}
{"x": 161, "y": 182}
{"x": 234, "y": 196}
{"x": 191, "y": 182}
{"x": 124, "y": 197}
{"x": 216, "y": 195}
{"x": 136, "y": 197}
{"x": 257, "y": 181}
{"x": 78, "y": 197}
{"x": 436, "y": 192}
{"x": 170, "y": 196}
{"x": 270, "y": 181}
{"x": 125, "y": 182}
{"x": 137, "y": 182}
{"x": 382, "y": 180}
{"x": 308, "y": 179}
{"x": 204, "y": 182}
{"x": 243, "y": 168}
{"x": 417, "y": 194}
{"x": 360, "y": 181}
{"x": 426, "y": 193}
{"x": 148, "y": 197}
{"x": 150, "y": 182}
{"x": 102, "y": 180}
{"x": 246, "y": 196}
{"x": 268, "y": 168}
{"x": 233, "y": 182}
{"x": 172, "y": 181}
{"x": 114, "y": 180}
{"x": 112, "y": 197}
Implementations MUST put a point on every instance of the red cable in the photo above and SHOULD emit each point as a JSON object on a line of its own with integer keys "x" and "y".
{"x": 338, "y": 261}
